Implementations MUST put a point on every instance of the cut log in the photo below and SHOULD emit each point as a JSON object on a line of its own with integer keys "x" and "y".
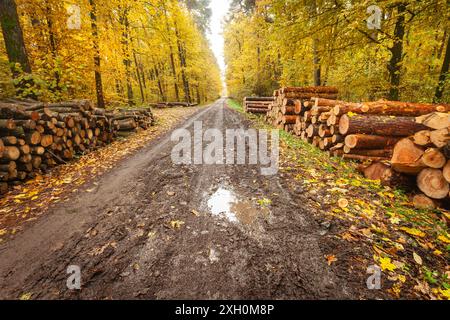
{"x": 289, "y": 119}
{"x": 379, "y": 125}
{"x": 46, "y": 140}
{"x": 9, "y": 140}
{"x": 33, "y": 138}
{"x": 421, "y": 201}
{"x": 363, "y": 141}
{"x": 384, "y": 153}
{"x": 439, "y": 138}
{"x": 436, "y": 120}
{"x": 446, "y": 171}
{"x": 11, "y": 153}
{"x": 364, "y": 158}
{"x": 387, "y": 177}
{"x": 7, "y": 124}
{"x": 406, "y": 157}
{"x": 433, "y": 158}
{"x": 422, "y": 138}
{"x": 433, "y": 184}
{"x": 8, "y": 167}
{"x": 397, "y": 108}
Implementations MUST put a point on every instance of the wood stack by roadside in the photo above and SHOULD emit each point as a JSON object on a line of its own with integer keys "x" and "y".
{"x": 424, "y": 157}
{"x": 162, "y": 105}
{"x": 36, "y": 136}
{"x": 291, "y": 104}
{"x": 257, "y": 105}
{"x": 400, "y": 143}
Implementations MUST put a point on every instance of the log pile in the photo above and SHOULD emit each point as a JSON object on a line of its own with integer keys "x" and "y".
{"x": 293, "y": 104}
{"x": 406, "y": 144}
{"x": 36, "y": 136}
{"x": 163, "y": 105}
{"x": 257, "y": 105}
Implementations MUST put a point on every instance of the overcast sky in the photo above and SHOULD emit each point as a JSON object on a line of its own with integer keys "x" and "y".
{"x": 219, "y": 9}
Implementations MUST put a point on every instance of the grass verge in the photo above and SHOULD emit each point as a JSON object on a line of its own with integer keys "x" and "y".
{"x": 410, "y": 246}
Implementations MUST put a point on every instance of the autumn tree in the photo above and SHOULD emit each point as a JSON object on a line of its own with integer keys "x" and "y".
{"x": 13, "y": 37}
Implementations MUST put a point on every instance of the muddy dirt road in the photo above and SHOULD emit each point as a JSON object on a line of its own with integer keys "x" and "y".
{"x": 122, "y": 237}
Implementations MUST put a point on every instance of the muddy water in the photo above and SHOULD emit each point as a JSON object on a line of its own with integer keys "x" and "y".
{"x": 224, "y": 203}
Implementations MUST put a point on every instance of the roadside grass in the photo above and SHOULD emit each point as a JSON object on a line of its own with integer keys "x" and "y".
{"x": 411, "y": 246}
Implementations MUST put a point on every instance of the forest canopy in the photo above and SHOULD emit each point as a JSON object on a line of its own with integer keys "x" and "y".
{"x": 403, "y": 56}
{"x": 124, "y": 51}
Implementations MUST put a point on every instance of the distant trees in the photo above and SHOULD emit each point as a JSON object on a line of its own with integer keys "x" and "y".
{"x": 122, "y": 50}
{"x": 312, "y": 42}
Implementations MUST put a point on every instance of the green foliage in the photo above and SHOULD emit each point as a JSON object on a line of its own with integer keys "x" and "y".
{"x": 273, "y": 46}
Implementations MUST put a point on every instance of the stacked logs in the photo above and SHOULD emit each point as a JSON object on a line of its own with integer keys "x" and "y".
{"x": 163, "y": 105}
{"x": 257, "y": 105}
{"x": 406, "y": 143}
{"x": 424, "y": 156}
{"x": 36, "y": 136}
{"x": 129, "y": 121}
{"x": 292, "y": 104}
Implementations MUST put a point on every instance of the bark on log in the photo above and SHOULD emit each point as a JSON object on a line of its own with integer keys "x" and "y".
{"x": 363, "y": 141}
{"x": 379, "y": 125}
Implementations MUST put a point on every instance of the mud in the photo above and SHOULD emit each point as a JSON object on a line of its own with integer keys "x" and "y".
{"x": 225, "y": 246}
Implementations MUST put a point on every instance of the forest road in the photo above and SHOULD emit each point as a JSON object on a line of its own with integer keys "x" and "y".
{"x": 153, "y": 229}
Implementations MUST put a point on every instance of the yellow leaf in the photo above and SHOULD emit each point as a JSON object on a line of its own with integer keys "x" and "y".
{"x": 413, "y": 231}
{"x": 25, "y": 296}
{"x": 386, "y": 264}
{"x": 445, "y": 293}
{"x": 2, "y": 232}
{"x": 394, "y": 220}
{"x": 444, "y": 239}
{"x": 176, "y": 224}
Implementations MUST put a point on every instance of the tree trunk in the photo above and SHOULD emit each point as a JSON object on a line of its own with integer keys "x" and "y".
{"x": 97, "y": 59}
{"x": 397, "y": 53}
{"x": 182, "y": 57}
{"x": 126, "y": 54}
{"x": 172, "y": 58}
{"x": 317, "y": 69}
{"x": 12, "y": 33}
{"x": 443, "y": 75}
{"x": 138, "y": 74}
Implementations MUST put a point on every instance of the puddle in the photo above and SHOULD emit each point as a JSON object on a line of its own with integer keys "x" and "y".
{"x": 221, "y": 202}
{"x": 225, "y": 203}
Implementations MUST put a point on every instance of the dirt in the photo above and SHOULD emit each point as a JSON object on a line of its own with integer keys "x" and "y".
{"x": 156, "y": 230}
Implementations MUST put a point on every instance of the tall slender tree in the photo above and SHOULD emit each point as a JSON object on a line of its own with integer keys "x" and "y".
{"x": 13, "y": 35}
{"x": 97, "y": 58}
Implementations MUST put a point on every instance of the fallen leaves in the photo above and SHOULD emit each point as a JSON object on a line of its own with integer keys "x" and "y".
{"x": 195, "y": 213}
{"x": 413, "y": 232}
{"x": 386, "y": 264}
{"x": 417, "y": 258}
{"x": 330, "y": 258}
{"x": 176, "y": 224}
{"x": 25, "y": 296}
{"x": 32, "y": 198}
